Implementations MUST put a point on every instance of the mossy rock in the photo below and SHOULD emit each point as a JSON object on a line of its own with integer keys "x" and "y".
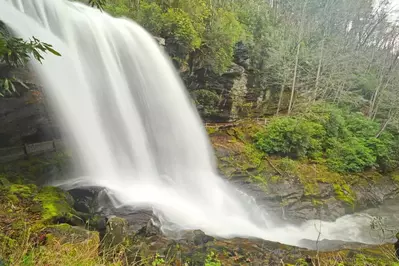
{"x": 23, "y": 191}
{"x": 57, "y": 206}
{"x": 65, "y": 233}
{"x": 116, "y": 232}
{"x": 37, "y": 169}
{"x": 4, "y": 181}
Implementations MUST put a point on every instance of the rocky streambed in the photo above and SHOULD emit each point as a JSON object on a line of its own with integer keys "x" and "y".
{"x": 83, "y": 222}
{"x": 142, "y": 226}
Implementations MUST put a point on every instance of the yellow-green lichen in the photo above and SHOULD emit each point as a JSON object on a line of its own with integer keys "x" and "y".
{"x": 22, "y": 191}
{"x": 54, "y": 203}
{"x": 344, "y": 193}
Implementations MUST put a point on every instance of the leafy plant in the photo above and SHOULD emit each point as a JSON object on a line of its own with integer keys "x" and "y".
{"x": 16, "y": 52}
{"x": 290, "y": 136}
{"x": 212, "y": 260}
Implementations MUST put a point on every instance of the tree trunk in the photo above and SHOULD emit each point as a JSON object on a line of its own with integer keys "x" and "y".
{"x": 280, "y": 100}
{"x": 298, "y": 49}
{"x": 294, "y": 78}
{"x": 385, "y": 125}
{"x": 316, "y": 87}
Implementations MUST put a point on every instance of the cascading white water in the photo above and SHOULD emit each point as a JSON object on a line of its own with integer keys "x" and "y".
{"x": 132, "y": 124}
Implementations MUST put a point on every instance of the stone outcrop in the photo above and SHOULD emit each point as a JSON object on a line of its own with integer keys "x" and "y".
{"x": 25, "y": 118}
{"x": 297, "y": 196}
{"x": 288, "y": 201}
{"x": 230, "y": 87}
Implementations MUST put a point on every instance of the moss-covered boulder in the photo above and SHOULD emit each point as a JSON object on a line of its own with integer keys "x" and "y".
{"x": 65, "y": 233}
{"x": 116, "y": 233}
{"x": 56, "y": 206}
{"x": 27, "y": 207}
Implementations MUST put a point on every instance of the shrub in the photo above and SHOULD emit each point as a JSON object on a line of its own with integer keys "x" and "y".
{"x": 351, "y": 155}
{"x": 294, "y": 137}
{"x": 346, "y": 141}
{"x": 206, "y": 101}
{"x": 287, "y": 165}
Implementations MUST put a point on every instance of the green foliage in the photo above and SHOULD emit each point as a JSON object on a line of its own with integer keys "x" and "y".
{"x": 179, "y": 25}
{"x": 287, "y": 165}
{"x": 212, "y": 260}
{"x": 206, "y": 101}
{"x": 222, "y": 34}
{"x": 199, "y": 32}
{"x": 55, "y": 204}
{"x": 158, "y": 260}
{"x": 344, "y": 193}
{"x": 16, "y": 52}
{"x": 346, "y": 142}
{"x": 353, "y": 155}
{"x": 151, "y": 17}
{"x": 290, "y": 136}
{"x": 118, "y": 8}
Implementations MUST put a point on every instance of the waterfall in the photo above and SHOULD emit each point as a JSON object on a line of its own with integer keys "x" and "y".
{"x": 131, "y": 123}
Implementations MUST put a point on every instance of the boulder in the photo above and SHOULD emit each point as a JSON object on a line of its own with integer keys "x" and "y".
{"x": 116, "y": 232}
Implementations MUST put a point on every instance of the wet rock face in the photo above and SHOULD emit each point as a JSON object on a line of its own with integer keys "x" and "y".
{"x": 116, "y": 232}
{"x": 95, "y": 206}
{"x": 85, "y": 199}
{"x": 24, "y": 119}
{"x": 287, "y": 199}
{"x": 369, "y": 195}
{"x": 229, "y": 87}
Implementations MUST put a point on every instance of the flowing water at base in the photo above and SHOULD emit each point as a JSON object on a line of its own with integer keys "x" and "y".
{"x": 133, "y": 128}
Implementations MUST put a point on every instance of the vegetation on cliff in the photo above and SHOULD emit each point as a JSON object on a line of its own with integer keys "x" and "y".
{"x": 343, "y": 140}
{"x": 299, "y": 52}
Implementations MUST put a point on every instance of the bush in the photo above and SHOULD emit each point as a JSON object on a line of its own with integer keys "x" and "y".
{"x": 287, "y": 165}
{"x": 206, "y": 101}
{"x": 331, "y": 118}
{"x": 352, "y": 155}
{"x": 293, "y": 137}
{"x": 346, "y": 141}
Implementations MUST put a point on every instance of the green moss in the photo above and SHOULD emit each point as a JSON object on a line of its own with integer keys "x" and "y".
{"x": 311, "y": 189}
{"x": 4, "y": 181}
{"x": 317, "y": 202}
{"x": 395, "y": 177}
{"x": 362, "y": 259}
{"x": 301, "y": 262}
{"x": 212, "y": 260}
{"x": 35, "y": 169}
{"x": 116, "y": 233}
{"x": 344, "y": 193}
{"x": 55, "y": 204}
{"x": 287, "y": 165}
{"x": 211, "y": 130}
{"x": 259, "y": 179}
{"x": 275, "y": 179}
{"x": 23, "y": 191}
{"x": 7, "y": 246}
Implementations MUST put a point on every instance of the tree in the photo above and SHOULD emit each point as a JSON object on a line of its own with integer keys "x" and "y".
{"x": 16, "y": 52}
